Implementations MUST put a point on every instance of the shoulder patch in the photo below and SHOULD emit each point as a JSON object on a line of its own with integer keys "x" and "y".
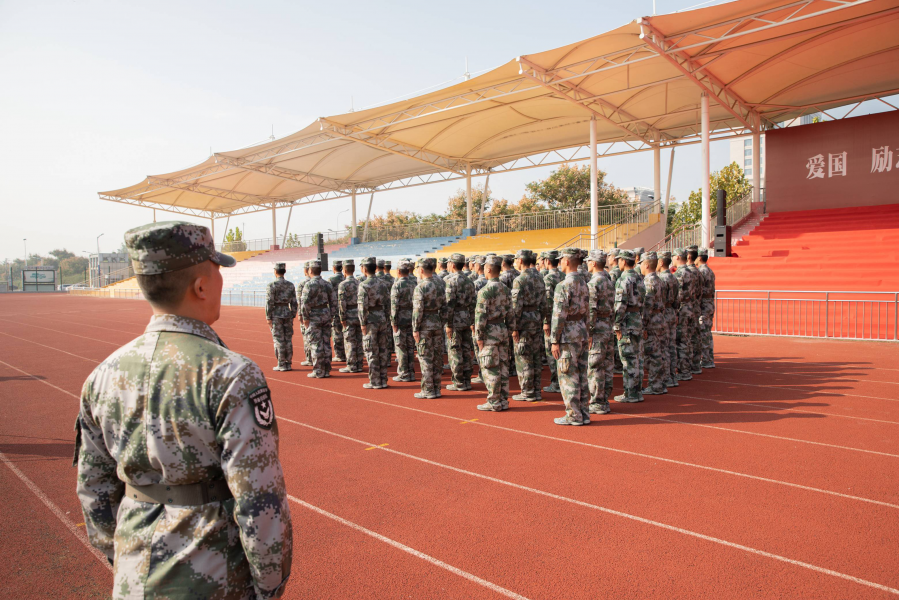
{"x": 263, "y": 411}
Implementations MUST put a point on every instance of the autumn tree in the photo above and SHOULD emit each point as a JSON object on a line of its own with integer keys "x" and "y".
{"x": 568, "y": 187}
{"x": 731, "y": 179}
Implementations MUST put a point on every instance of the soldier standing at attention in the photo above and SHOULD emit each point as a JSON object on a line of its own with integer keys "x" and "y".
{"x": 348, "y": 312}
{"x": 280, "y": 311}
{"x": 654, "y": 326}
{"x": 671, "y": 308}
{"x": 336, "y": 328}
{"x": 528, "y": 308}
{"x": 686, "y": 282}
{"x": 509, "y": 272}
{"x": 629, "y": 326}
{"x": 307, "y": 362}
{"x": 599, "y": 325}
{"x": 460, "y": 301}
{"x": 401, "y": 317}
{"x": 568, "y": 334}
{"x": 319, "y": 303}
{"x": 614, "y": 274}
{"x": 373, "y": 301}
{"x": 428, "y": 309}
{"x": 465, "y": 270}
{"x": 491, "y": 328}
{"x": 387, "y": 276}
{"x": 707, "y": 310}
{"x": 695, "y": 334}
{"x": 638, "y": 256}
{"x": 172, "y": 492}
{"x": 444, "y": 342}
{"x": 550, "y": 280}
{"x": 473, "y": 265}
{"x": 442, "y": 272}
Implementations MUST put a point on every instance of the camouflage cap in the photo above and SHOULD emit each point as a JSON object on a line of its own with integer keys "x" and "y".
{"x": 614, "y": 252}
{"x": 338, "y": 264}
{"x": 481, "y": 260}
{"x": 704, "y": 252}
{"x": 692, "y": 248}
{"x": 639, "y": 250}
{"x": 680, "y": 252}
{"x": 349, "y": 263}
{"x": 369, "y": 261}
{"x": 429, "y": 263}
{"x": 493, "y": 260}
{"x": 509, "y": 257}
{"x": 627, "y": 254}
{"x": 524, "y": 253}
{"x": 597, "y": 255}
{"x": 442, "y": 260}
{"x": 380, "y": 263}
{"x": 387, "y": 264}
{"x": 665, "y": 254}
{"x": 171, "y": 246}
{"x": 648, "y": 256}
{"x": 552, "y": 254}
{"x": 406, "y": 264}
{"x": 572, "y": 252}
{"x": 456, "y": 257}
{"x": 280, "y": 267}
{"x": 473, "y": 258}
{"x": 315, "y": 263}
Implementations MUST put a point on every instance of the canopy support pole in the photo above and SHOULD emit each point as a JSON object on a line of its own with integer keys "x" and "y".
{"x": 757, "y": 158}
{"x": 274, "y": 229}
{"x": 154, "y": 215}
{"x": 483, "y": 203}
{"x": 287, "y": 226}
{"x": 468, "y": 210}
{"x": 594, "y": 191}
{"x": 353, "y": 232}
{"x": 657, "y": 172}
{"x": 367, "y": 217}
{"x": 704, "y": 166}
{"x": 212, "y": 229}
{"x": 225, "y": 233}
{"x": 668, "y": 188}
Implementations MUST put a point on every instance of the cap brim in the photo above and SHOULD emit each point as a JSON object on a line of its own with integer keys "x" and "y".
{"x": 223, "y": 260}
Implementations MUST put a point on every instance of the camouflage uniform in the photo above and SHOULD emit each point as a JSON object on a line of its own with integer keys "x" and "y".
{"x": 174, "y": 496}
{"x": 707, "y": 312}
{"x": 384, "y": 275}
{"x": 550, "y": 280}
{"x": 460, "y": 305}
{"x": 373, "y": 301}
{"x": 493, "y": 319}
{"x": 695, "y": 333}
{"x": 336, "y": 328}
{"x": 571, "y": 306}
{"x": 348, "y": 311}
{"x": 629, "y": 321}
{"x": 528, "y": 308}
{"x": 686, "y": 294}
{"x": 600, "y": 363}
{"x": 428, "y": 310}
{"x": 401, "y": 317}
{"x": 442, "y": 273}
{"x": 671, "y": 309}
{"x": 319, "y": 304}
{"x": 300, "y": 286}
{"x": 654, "y": 326}
{"x": 614, "y": 274}
{"x": 281, "y": 310}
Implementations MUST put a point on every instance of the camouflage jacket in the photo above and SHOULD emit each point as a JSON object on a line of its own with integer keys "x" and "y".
{"x": 428, "y": 305}
{"x": 473, "y": 275}
{"x": 401, "y": 302}
{"x": 528, "y": 301}
{"x": 480, "y": 282}
{"x": 441, "y": 284}
{"x": 629, "y": 298}
{"x": 347, "y": 299}
{"x": 492, "y": 315}
{"x": 373, "y": 300}
{"x": 697, "y": 287}
{"x": 656, "y": 295}
{"x": 319, "y": 301}
{"x": 614, "y": 274}
{"x": 443, "y": 275}
{"x": 175, "y": 406}
{"x": 687, "y": 282}
{"x": 571, "y": 305}
{"x": 673, "y": 288}
{"x": 602, "y": 301}
{"x": 508, "y": 277}
{"x": 280, "y": 300}
{"x": 551, "y": 279}
{"x": 460, "y": 301}
{"x": 335, "y": 280}
{"x": 300, "y": 287}
{"x": 388, "y": 279}
{"x": 708, "y": 282}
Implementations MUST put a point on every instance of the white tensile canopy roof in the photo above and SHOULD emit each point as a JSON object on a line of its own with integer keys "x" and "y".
{"x": 761, "y": 62}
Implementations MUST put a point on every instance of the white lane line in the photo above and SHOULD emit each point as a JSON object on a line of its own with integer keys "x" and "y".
{"x": 611, "y": 511}
{"x": 610, "y": 449}
{"x": 795, "y": 389}
{"x": 84, "y": 337}
{"x": 79, "y": 534}
{"x": 786, "y": 374}
{"x": 93, "y": 360}
{"x": 439, "y": 563}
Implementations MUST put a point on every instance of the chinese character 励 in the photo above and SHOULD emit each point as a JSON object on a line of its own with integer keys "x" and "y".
{"x": 881, "y": 159}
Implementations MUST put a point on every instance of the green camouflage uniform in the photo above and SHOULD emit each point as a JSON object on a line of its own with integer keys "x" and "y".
{"x": 528, "y": 308}
{"x": 629, "y": 321}
{"x": 348, "y": 309}
{"x": 571, "y": 306}
{"x": 551, "y": 279}
{"x": 336, "y": 327}
{"x": 281, "y": 309}
{"x": 686, "y": 294}
{"x": 460, "y": 304}
{"x": 373, "y": 300}
{"x": 428, "y": 309}
{"x": 671, "y": 309}
{"x": 600, "y": 363}
{"x": 319, "y": 304}
{"x": 491, "y": 326}
{"x": 695, "y": 333}
{"x": 614, "y": 274}
{"x": 401, "y": 317}
{"x": 707, "y": 315}
{"x": 654, "y": 325}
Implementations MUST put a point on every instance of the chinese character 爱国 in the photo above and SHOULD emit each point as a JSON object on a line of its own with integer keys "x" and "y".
{"x": 837, "y": 164}
{"x": 815, "y": 167}
{"x": 881, "y": 159}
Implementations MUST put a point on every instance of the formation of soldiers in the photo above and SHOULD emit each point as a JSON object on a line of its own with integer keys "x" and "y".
{"x": 584, "y": 316}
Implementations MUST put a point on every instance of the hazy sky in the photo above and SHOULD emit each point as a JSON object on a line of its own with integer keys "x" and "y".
{"x": 98, "y": 95}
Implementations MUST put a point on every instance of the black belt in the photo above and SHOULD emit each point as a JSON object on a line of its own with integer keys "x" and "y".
{"x": 193, "y": 494}
{"x": 495, "y": 321}
{"x": 431, "y": 311}
{"x": 319, "y": 306}
{"x": 606, "y": 313}
{"x": 575, "y": 317}
{"x": 633, "y": 309}
{"x": 530, "y": 307}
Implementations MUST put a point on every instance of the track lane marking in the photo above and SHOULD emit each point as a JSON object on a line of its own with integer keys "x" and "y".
{"x": 614, "y": 512}
{"x": 795, "y": 389}
{"x": 378, "y": 446}
{"x": 725, "y": 368}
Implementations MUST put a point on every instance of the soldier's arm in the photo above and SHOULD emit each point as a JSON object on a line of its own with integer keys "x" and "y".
{"x": 593, "y": 305}
{"x": 560, "y": 315}
{"x": 417, "y": 313}
{"x": 332, "y": 300}
{"x": 293, "y": 303}
{"x": 512, "y": 317}
{"x": 268, "y": 302}
{"x": 548, "y": 298}
{"x": 361, "y": 305}
{"x": 99, "y": 489}
{"x": 450, "y": 298}
{"x": 394, "y": 303}
{"x": 620, "y": 306}
{"x": 515, "y": 301}
{"x": 247, "y": 432}
{"x": 304, "y": 303}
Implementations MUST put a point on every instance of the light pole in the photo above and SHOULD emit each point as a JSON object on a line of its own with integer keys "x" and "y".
{"x": 338, "y": 219}
{"x": 98, "y": 260}
{"x": 25, "y": 241}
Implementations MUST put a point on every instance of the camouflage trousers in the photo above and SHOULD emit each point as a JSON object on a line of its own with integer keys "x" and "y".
{"x": 550, "y": 361}
{"x": 404, "y": 344}
{"x": 600, "y": 363}
{"x": 337, "y": 334}
{"x": 706, "y": 321}
{"x": 671, "y": 342}
{"x": 318, "y": 338}
{"x": 460, "y": 357}
{"x": 655, "y": 353}
{"x": 616, "y": 360}
{"x": 529, "y": 353}
{"x": 494, "y": 361}
{"x": 684, "y": 340}
{"x": 430, "y": 358}
{"x": 572, "y": 365}
{"x": 282, "y": 335}
{"x": 377, "y": 353}
{"x": 352, "y": 343}
{"x": 306, "y": 349}
{"x": 696, "y": 340}
{"x": 629, "y": 349}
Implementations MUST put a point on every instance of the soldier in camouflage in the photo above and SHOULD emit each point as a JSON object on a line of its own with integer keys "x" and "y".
{"x": 568, "y": 334}
{"x": 551, "y": 279}
{"x": 493, "y": 319}
{"x": 654, "y": 352}
{"x": 628, "y": 326}
{"x": 614, "y": 274}
{"x": 428, "y": 314}
{"x": 373, "y": 300}
{"x": 509, "y": 272}
{"x": 600, "y": 363}
{"x": 200, "y": 514}
{"x": 669, "y": 343}
{"x": 401, "y": 317}
{"x": 638, "y": 255}
{"x": 707, "y": 310}
{"x": 319, "y": 304}
{"x": 528, "y": 308}
{"x": 280, "y": 311}
{"x": 695, "y": 333}
{"x": 686, "y": 292}
{"x": 336, "y": 328}
{"x": 460, "y": 304}
{"x": 473, "y": 266}
{"x": 442, "y": 271}
{"x": 308, "y": 360}
{"x": 384, "y": 275}
{"x": 348, "y": 311}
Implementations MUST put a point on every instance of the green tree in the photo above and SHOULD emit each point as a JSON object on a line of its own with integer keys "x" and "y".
{"x": 568, "y": 187}
{"x": 61, "y": 254}
{"x": 731, "y": 179}
{"x": 456, "y": 206}
{"x": 73, "y": 268}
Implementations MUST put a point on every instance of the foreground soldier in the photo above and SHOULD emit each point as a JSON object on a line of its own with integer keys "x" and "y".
{"x": 614, "y": 274}
{"x": 671, "y": 308}
{"x": 707, "y": 310}
{"x": 336, "y": 328}
{"x": 280, "y": 311}
{"x": 571, "y": 305}
{"x": 654, "y": 325}
{"x": 492, "y": 335}
{"x": 348, "y": 311}
{"x": 629, "y": 326}
{"x": 695, "y": 333}
{"x": 373, "y": 300}
{"x": 319, "y": 303}
{"x": 401, "y": 317}
{"x": 460, "y": 303}
{"x": 551, "y": 279}
{"x": 599, "y": 325}
{"x": 687, "y": 283}
{"x": 174, "y": 496}
{"x": 528, "y": 308}
{"x": 300, "y": 286}
{"x": 428, "y": 302}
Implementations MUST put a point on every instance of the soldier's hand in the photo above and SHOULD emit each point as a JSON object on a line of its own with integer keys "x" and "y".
{"x": 343, "y": 323}
{"x": 449, "y": 332}
{"x": 365, "y": 330}
{"x": 546, "y": 329}
{"x": 395, "y": 329}
{"x": 590, "y": 341}
{"x": 480, "y": 344}
{"x": 645, "y": 334}
{"x": 618, "y": 334}
{"x": 416, "y": 335}
{"x": 306, "y": 323}
{"x": 516, "y": 336}
{"x": 269, "y": 321}
{"x": 556, "y": 351}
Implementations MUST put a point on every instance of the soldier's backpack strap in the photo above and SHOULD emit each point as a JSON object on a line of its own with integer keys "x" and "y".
{"x": 193, "y": 494}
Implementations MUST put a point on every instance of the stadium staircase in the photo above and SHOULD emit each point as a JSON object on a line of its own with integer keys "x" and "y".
{"x": 255, "y": 273}
{"x": 849, "y": 249}
{"x": 394, "y": 250}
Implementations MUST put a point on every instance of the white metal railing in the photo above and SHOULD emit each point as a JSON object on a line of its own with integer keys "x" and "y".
{"x": 690, "y": 234}
{"x": 411, "y": 231}
{"x": 839, "y": 315}
{"x": 607, "y": 236}
{"x": 305, "y": 240}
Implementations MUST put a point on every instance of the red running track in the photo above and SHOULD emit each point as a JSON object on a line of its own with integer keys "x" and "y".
{"x": 771, "y": 476}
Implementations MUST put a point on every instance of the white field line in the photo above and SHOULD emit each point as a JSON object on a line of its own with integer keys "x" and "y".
{"x": 795, "y": 389}
{"x": 785, "y": 374}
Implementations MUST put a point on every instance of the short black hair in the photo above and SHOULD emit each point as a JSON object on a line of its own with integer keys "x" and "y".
{"x": 167, "y": 289}
{"x": 652, "y": 265}
{"x": 703, "y": 258}
{"x": 402, "y": 271}
{"x": 369, "y": 269}
{"x": 280, "y": 271}
{"x": 315, "y": 270}
{"x": 349, "y": 268}
{"x": 666, "y": 262}
{"x": 528, "y": 260}
{"x": 553, "y": 261}
{"x": 338, "y": 268}
{"x": 630, "y": 261}
{"x": 459, "y": 265}
{"x": 692, "y": 254}
{"x": 425, "y": 268}
{"x": 508, "y": 261}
